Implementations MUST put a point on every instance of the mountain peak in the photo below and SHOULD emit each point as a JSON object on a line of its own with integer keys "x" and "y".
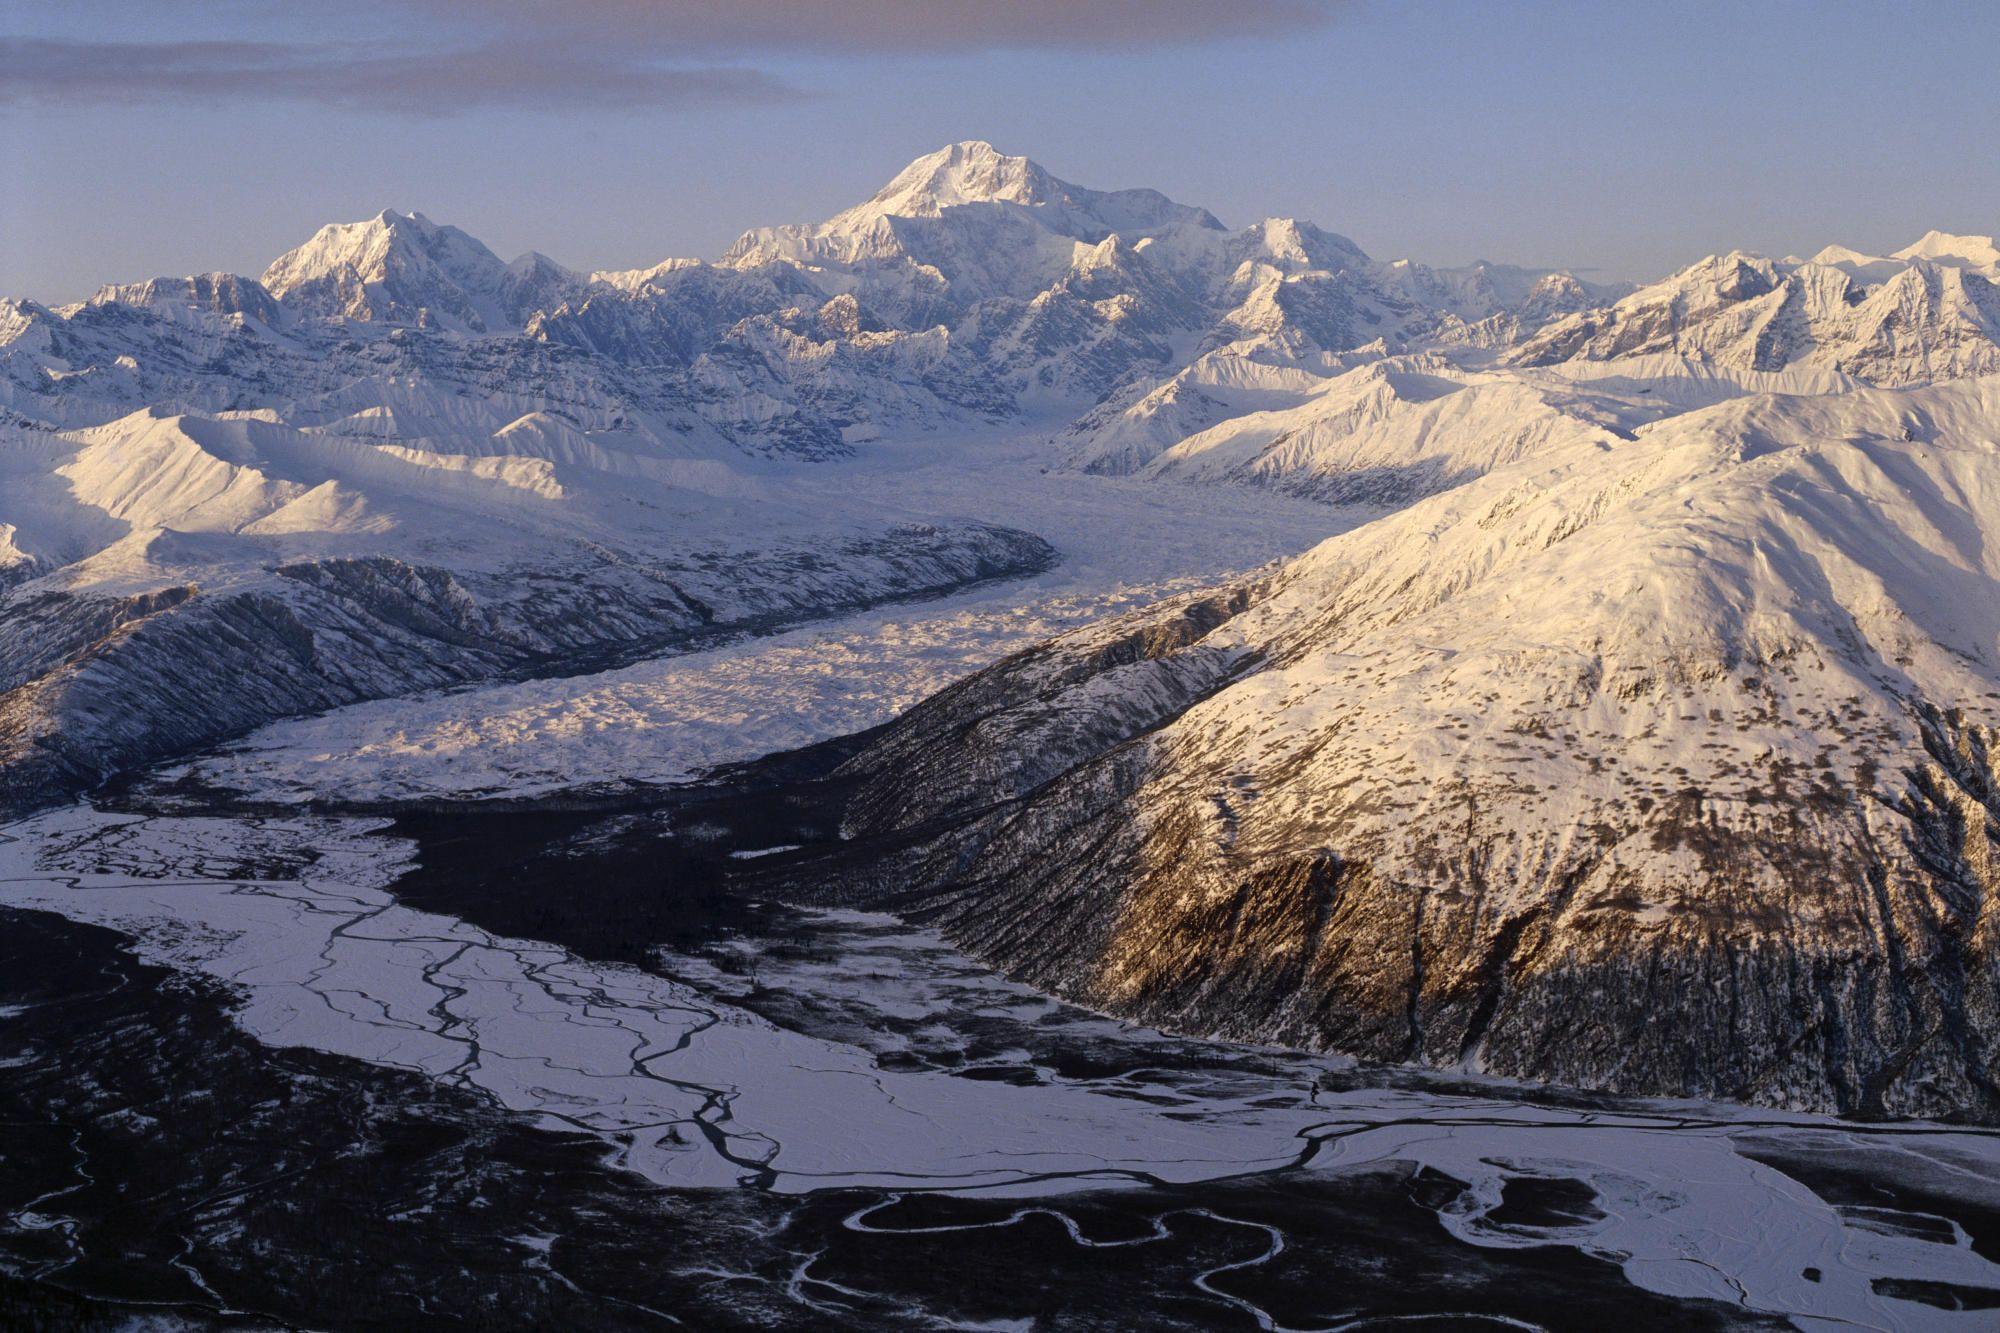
{"x": 1946, "y": 247}
{"x": 373, "y": 245}
{"x": 988, "y": 223}
{"x": 395, "y": 267}
{"x": 1841, "y": 254}
{"x": 534, "y": 261}
{"x": 972, "y": 171}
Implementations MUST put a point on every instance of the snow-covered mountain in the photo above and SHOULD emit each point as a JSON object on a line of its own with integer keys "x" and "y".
{"x": 402, "y": 268}
{"x": 967, "y": 223}
{"x": 1931, "y": 311}
{"x": 974, "y": 286}
{"x": 1662, "y": 762}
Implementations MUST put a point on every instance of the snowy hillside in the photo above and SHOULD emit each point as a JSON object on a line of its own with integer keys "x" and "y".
{"x": 1657, "y": 762}
{"x": 1398, "y": 428}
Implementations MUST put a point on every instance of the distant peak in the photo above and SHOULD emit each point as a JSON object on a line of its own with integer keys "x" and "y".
{"x": 972, "y": 171}
{"x": 367, "y": 245}
{"x": 395, "y": 268}
{"x": 972, "y": 149}
{"x": 391, "y": 219}
{"x": 1978, "y": 251}
{"x": 1301, "y": 242}
{"x": 535, "y": 261}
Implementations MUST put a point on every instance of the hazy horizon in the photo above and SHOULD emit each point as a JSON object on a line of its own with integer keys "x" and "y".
{"x": 148, "y": 140}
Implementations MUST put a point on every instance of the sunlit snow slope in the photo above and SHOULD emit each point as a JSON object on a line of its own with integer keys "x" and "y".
{"x": 1660, "y": 763}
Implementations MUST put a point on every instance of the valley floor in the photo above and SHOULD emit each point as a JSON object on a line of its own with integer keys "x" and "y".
{"x": 835, "y": 1105}
{"x": 543, "y": 1068}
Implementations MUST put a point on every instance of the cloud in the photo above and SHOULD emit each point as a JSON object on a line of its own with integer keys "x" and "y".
{"x": 514, "y": 73}
{"x": 851, "y": 27}
{"x": 457, "y": 55}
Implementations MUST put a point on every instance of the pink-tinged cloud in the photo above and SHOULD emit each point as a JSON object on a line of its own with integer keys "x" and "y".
{"x": 507, "y": 74}
{"x": 438, "y": 57}
{"x": 870, "y": 26}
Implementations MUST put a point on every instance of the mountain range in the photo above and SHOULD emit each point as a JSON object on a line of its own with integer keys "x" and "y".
{"x": 1643, "y": 740}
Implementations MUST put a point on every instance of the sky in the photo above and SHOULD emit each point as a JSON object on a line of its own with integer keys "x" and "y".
{"x": 149, "y": 137}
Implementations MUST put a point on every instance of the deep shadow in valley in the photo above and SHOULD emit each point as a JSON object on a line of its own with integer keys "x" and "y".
{"x": 157, "y": 1157}
{"x": 159, "y": 1161}
{"x": 623, "y": 882}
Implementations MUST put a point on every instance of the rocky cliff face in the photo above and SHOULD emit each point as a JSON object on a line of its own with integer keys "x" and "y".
{"x": 1663, "y": 768}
